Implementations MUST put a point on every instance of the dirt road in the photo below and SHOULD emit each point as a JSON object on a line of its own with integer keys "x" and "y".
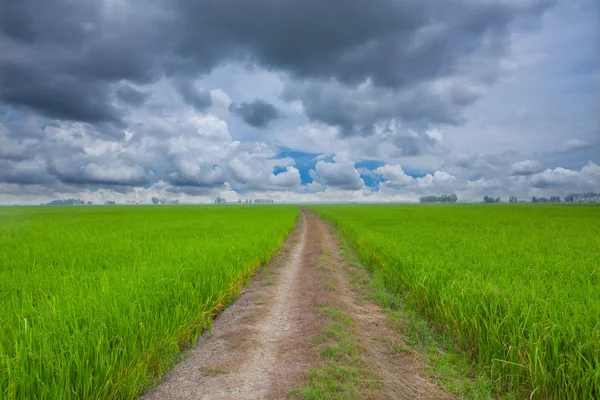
{"x": 263, "y": 347}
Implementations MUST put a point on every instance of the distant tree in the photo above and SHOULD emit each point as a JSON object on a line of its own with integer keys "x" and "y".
{"x": 534, "y": 199}
{"x": 489, "y": 199}
{"x": 66, "y": 202}
{"x": 512, "y": 199}
{"x": 110, "y": 203}
{"x": 589, "y": 197}
{"x": 89, "y": 203}
{"x": 239, "y": 201}
{"x": 155, "y": 200}
{"x": 542, "y": 200}
{"x": 554, "y": 199}
{"x": 439, "y": 199}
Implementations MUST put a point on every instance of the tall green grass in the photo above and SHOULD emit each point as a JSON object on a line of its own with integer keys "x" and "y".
{"x": 518, "y": 286}
{"x": 97, "y": 302}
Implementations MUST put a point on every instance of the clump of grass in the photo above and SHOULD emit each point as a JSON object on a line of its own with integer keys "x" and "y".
{"x": 400, "y": 348}
{"x": 343, "y": 374}
{"x": 329, "y": 284}
{"x": 99, "y": 302}
{"x": 516, "y": 287}
{"x": 212, "y": 370}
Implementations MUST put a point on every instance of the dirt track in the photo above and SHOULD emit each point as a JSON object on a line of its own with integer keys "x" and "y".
{"x": 260, "y": 348}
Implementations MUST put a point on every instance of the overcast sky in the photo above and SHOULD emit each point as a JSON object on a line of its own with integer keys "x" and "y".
{"x": 298, "y": 100}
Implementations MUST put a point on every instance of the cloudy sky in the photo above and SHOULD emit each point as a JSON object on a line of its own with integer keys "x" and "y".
{"x": 298, "y": 100}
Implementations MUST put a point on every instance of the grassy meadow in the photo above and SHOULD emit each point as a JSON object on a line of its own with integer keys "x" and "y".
{"x": 517, "y": 286}
{"x": 96, "y": 302}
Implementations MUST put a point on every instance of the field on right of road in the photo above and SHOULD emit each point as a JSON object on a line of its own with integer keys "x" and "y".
{"x": 517, "y": 286}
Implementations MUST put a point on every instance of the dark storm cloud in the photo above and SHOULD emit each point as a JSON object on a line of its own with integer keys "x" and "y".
{"x": 198, "y": 98}
{"x": 131, "y": 95}
{"x": 28, "y": 175}
{"x": 64, "y": 58}
{"x": 258, "y": 113}
{"x": 59, "y": 96}
{"x": 352, "y": 40}
{"x": 54, "y": 21}
{"x": 357, "y": 111}
{"x": 396, "y": 46}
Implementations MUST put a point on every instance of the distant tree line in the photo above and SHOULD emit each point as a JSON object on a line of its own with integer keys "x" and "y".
{"x": 513, "y": 199}
{"x": 65, "y": 202}
{"x": 452, "y": 198}
{"x": 589, "y": 197}
{"x": 552, "y": 199}
{"x": 68, "y": 202}
{"x": 262, "y": 201}
{"x": 221, "y": 200}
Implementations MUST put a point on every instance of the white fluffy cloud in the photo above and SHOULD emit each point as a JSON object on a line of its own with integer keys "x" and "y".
{"x": 339, "y": 174}
{"x": 290, "y": 178}
{"x": 557, "y": 181}
{"x": 587, "y": 179}
{"x": 394, "y": 176}
{"x": 396, "y": 179}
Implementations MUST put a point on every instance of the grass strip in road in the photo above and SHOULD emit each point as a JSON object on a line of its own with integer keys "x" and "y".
{"x": 342, "y": 374}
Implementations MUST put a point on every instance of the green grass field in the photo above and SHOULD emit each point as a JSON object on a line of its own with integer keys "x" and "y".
{"x": 96, "y": 302}
{"x": 517, "y": 286}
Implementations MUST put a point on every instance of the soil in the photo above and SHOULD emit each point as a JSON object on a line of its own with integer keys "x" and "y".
{"x": 260, "y": 346}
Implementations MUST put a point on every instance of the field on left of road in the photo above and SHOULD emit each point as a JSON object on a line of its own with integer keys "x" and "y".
{"x": 97, "y": 302}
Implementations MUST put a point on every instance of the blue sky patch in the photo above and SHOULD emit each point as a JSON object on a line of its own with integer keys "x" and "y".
{"x": 305, "y": 161}
{"x": 277, "y": 170}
